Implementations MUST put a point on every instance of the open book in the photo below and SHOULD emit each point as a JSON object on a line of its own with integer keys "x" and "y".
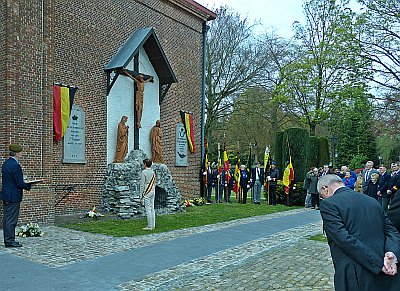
{"x": 34, "y": 181}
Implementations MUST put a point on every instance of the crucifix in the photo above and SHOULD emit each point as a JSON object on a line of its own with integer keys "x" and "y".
{"x": 140, "y": 81}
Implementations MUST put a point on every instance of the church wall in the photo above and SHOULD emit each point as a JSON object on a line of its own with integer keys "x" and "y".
{"x": 26, "y": 103}
{"x": 3, "y": 51}
{"x": 70, "y": 42}
{"x": 97, "y": 29}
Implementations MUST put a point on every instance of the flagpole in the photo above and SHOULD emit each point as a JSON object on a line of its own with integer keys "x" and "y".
{"x": 219, "y": 178}
{"x": 249, "y": 171}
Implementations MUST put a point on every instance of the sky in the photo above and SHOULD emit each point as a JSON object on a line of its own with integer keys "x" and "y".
{"x": 275, "y": 15}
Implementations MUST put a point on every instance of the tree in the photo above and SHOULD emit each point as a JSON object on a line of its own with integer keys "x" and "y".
{"x": 323, "y": 69}
{"x": 353, "y": 125}
{"x": 233, "y": 61}
{"x": 379, "y": 40}
{"x": 279, "y": 52}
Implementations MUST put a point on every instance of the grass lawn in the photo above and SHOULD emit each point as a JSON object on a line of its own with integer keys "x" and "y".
{"x": 194, "y": 216}
{"x": 319, "y": 237}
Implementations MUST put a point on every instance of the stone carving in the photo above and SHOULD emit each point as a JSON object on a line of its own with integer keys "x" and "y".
{"x": 122, "y": 140}
{"x": 121, "y": 191}
{"x": 156, "y": 142}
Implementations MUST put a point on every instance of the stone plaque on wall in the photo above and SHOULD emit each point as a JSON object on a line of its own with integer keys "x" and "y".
{"x": 74, "y": 137}
{"x": 181, "y": 146}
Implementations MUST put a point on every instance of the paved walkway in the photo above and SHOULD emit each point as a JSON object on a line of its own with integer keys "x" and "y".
{"x": 268, "y": 252}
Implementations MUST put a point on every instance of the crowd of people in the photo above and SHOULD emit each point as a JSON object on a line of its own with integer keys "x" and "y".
{"x": 379, "y": 183}
{"x": 223, "y": 182}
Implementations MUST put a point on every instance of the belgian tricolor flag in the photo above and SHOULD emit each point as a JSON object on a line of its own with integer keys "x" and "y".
{"x": 63, "y": 99}
{"x": 187, "y": 119}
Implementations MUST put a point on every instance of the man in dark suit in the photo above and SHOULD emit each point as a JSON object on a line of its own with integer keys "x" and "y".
{"x": 363, "y": 242}
{"x": 366, "y": 175}
{"x": 383, "y": 183}
{"x": 209, "y": 181}
{"x": 326, "y": 170}
{"x": 394, "y": 180}
{"x": 244, "y": 184}
{"x": 11, "y": 194}
{"x": 257, "y": 180}
{"x": 273, "y": 178}
{"x": 230, "y": 184}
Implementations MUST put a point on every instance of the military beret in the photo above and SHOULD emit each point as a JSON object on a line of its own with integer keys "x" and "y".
{"x": 15, "y": 147}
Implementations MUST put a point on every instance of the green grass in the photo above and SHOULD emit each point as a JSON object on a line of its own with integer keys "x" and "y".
{"x": 318, "y": 237}
{"x": 194, "y": 216}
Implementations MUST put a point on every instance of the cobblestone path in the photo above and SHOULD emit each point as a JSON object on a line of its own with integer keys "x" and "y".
{"x": 73, "y": 260}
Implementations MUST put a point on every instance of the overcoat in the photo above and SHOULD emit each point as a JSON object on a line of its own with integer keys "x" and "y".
{"x": 359, "y": 234}
{"x": 12, "y": 181}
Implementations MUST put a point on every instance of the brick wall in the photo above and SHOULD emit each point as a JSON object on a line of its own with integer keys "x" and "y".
{"x": 2, "y": 74}
{"x": 72, "y": 46}
{"x": 27, "y": 116}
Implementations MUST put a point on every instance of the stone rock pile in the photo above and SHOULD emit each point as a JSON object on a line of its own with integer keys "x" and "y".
{"x": 121, "y": 190}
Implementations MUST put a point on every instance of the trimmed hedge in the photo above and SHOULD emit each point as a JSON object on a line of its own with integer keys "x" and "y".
{"x": 299, "y": 141}
{"x": 312, "y": 159}
{"x": 323, "y": 151}
{"x": 278, "y": 150}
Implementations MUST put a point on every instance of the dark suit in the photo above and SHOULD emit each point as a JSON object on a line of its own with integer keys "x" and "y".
{"x": 359, "y": 234}
{"x": 366, "y": 177}
{"x": 274, "y": 176}
{"x": 394, "y": 183}
{"x": 12, "y": 186}
{"x": 221, "y": 188}
{"x": 244, "y": 186}
{"x": 209, "y": 179}
{"x": 383, "y": 183}
{"x": 230, "y": 184}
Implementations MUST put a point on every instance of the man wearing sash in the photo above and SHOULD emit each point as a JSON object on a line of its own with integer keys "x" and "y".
{"x": 147, "y": 188}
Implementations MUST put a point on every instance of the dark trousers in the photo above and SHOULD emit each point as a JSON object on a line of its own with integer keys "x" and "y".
{"x": 10, "y": 219}
{"x": 272, "y": 194}
{"x": 220, "y": 193}
{"x": 314, "y": 200}
{"x": 209, "y": 190}
{"x": 243, "y": 195}
{"x": 228, "y": 194}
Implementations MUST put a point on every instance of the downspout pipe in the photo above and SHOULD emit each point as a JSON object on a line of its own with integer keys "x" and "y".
{"x": 203, "y": 90}
{"x": 203, "y": 107}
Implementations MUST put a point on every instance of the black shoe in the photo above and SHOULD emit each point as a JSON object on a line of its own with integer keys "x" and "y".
{"x": 13, "y": 245}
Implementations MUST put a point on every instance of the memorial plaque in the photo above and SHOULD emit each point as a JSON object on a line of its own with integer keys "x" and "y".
{"x": 74, "y": 137}
{"x": 181, "y": 146}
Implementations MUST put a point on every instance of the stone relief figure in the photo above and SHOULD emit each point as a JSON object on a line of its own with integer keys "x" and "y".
{"x": 156, "y": 142}
{"x": 122, "y": 140}
{"x": 140, "y": 81}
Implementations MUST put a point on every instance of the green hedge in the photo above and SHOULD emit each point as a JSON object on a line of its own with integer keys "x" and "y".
{"x": 312, "y": 159}
{"x": 297, "y": 196}
{"x": 323, "y": 151}
{"x": 278, "y": 150}
{"x": 299, "y": 141}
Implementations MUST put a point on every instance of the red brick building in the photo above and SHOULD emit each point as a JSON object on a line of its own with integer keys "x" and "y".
{"x": 70, "y": 42}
